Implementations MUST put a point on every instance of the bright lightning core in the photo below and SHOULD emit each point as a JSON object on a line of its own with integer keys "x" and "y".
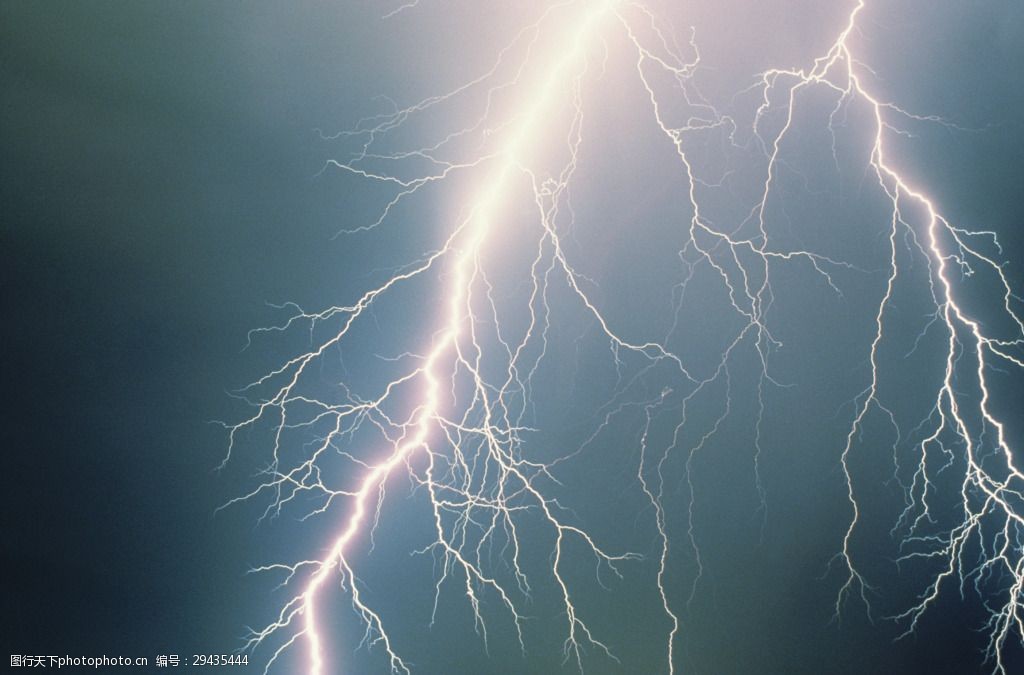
{"x": 465, "y": 438}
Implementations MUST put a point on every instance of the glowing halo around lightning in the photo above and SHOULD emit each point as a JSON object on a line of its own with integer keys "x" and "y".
{"x": 461, "y": 439}
{"x": 475, "y": 231}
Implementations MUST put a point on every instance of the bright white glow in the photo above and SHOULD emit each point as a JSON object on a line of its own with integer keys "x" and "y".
{"x": 468, "y": 454}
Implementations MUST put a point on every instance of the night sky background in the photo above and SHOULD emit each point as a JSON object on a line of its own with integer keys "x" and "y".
{"x": 161, "y": 186}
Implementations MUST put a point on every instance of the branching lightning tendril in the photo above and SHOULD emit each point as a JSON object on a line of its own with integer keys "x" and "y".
{"x": 455, "y": 421}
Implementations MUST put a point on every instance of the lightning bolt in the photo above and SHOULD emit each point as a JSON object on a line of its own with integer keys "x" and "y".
{"x": 455, "y": 421}
{"x": 991, "y": 487}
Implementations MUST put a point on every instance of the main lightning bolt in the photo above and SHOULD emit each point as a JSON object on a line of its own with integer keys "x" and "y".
{"x": 460, "y": 441}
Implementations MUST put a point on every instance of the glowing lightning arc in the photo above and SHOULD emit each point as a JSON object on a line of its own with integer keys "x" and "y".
{"x": 481, "y": 486}
{"x": 475, "y": 230}
{"x": 467, "y": 239}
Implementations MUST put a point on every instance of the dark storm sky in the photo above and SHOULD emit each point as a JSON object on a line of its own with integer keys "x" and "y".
{"x": 159, "y": 185}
